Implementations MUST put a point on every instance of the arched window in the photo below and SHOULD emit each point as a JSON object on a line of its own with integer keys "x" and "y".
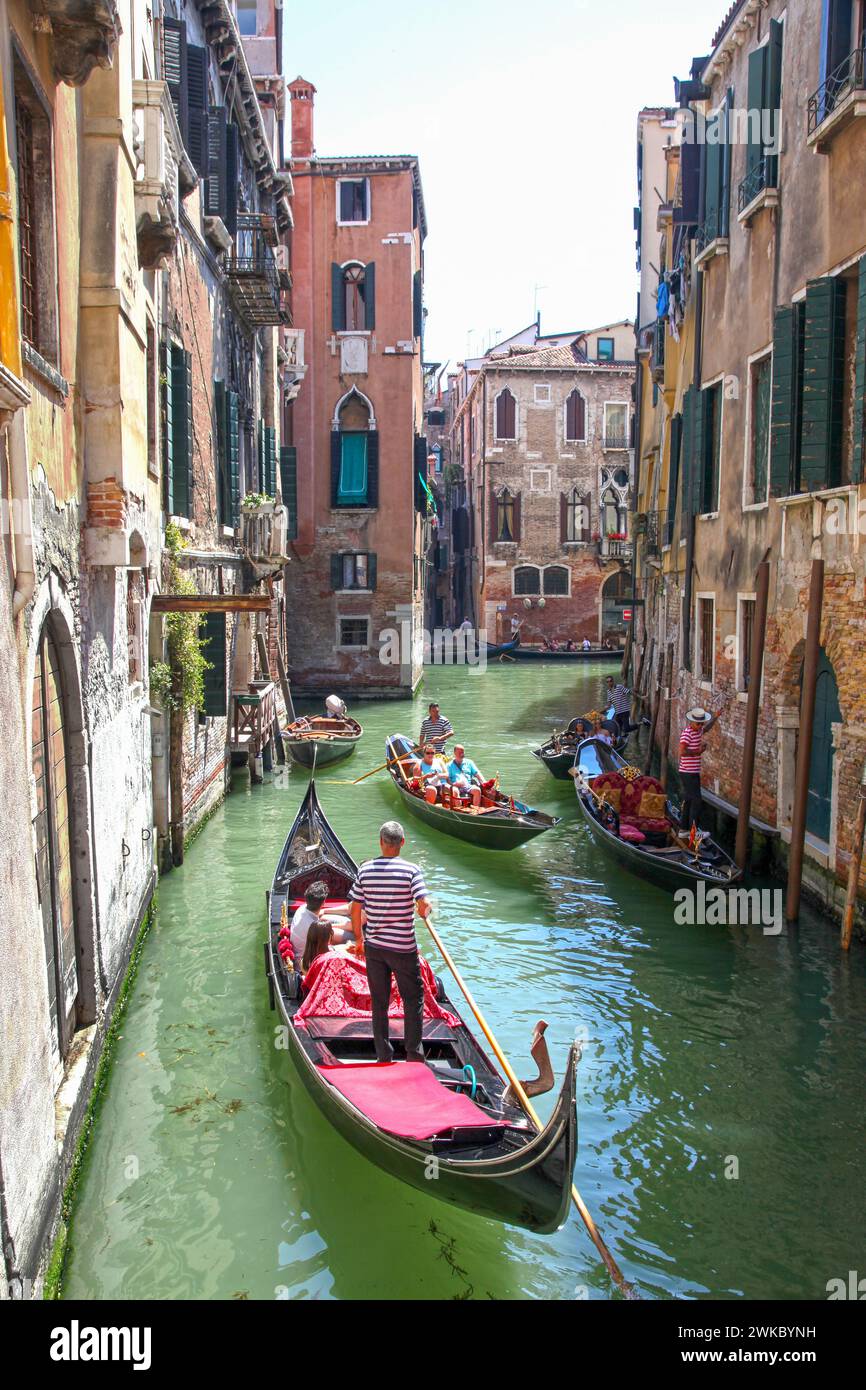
{"x": 527, "y": 580}
{"x": 576, "y": 517}
{"x": 575, "y": 418}
{"x": 53, "y": 843}
{"x": 353, "y": 297}
{"x": 354, "y": 455}
{"x": 613, "y": 514}
{"x": 556, "y": 579}
{"x": 505, "y": 525}
{"x": 353, "y": 291}
{"x": 506, "y": 415}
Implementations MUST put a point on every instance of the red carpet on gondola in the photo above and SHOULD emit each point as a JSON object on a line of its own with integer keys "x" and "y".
{"x": 405, "y": 1099}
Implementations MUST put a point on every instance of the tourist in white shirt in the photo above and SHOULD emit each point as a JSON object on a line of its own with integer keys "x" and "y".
{"x": 310, "y": 912}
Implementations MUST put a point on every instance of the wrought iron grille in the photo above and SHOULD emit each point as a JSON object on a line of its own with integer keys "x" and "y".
{"x": 26, "y": 233}
{"x": 762, "y": 176}
{"x": 847, "y": 77}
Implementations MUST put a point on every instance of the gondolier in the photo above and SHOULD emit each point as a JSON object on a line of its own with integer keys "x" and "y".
{"x": 619, "y": 696}
{"x": 698, "y": 724}
{"x": 388, "y": 891}
{"x": 435, "y": 729}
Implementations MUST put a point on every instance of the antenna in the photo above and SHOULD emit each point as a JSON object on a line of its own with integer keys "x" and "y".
{"x": 536, "y": 315}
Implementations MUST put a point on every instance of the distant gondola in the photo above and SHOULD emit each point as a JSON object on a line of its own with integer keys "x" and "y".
{"x": 644, "y": 842}
{"x": 503, "y": 825}
{"x": 318, "y": 740}
{"x": 452, "y": 1112}
{"x": 557, "y": 754}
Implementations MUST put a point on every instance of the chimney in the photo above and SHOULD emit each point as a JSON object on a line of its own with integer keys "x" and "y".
{"x": 302, "y": 96}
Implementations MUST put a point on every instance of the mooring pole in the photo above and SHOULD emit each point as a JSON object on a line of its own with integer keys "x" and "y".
{"x": 753, "y": 706}
{"x": 669, "y": 704}
{"x": 854, "y": 867}
{"x": 804, "y": 741}
{"x": 648, "y": 761}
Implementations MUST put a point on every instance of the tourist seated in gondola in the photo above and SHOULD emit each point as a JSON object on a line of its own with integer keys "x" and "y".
{"x": 433, "y": 773}
{"x": 602, "y": 732}
{"x": 465, "y": 778}
{"x": 580, "y": 727}
{"x": 310, "y": 915}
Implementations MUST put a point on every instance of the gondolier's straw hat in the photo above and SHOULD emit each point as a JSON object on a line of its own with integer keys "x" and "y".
{"x": 698, "y": 715}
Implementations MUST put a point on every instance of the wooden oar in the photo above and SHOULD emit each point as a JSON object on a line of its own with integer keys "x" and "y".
{"x": 613, "y": 1269}
{"x": 391, "y": 762}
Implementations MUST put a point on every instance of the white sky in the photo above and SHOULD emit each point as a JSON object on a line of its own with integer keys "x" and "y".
{"x": 523, "y": 114}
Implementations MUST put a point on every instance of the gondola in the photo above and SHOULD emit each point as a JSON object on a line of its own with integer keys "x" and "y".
{"x": 319, "y": 740}
{"x": 495, "y": 649}
{"x": 557, "y": 754}
{"x": 646, "y": 843}
{"x": 594, "y": 654}
{"x": 451, "y": 1116}
{"x": 504, "y": 825}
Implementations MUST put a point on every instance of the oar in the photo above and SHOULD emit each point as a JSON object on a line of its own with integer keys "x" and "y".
{"x": 610, "y": 1263}
{"x": 391, "y": 761}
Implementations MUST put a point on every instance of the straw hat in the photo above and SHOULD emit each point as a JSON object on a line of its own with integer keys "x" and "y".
{"x": 698, "y": 715}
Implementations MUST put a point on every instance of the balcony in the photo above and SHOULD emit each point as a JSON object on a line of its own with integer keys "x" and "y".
{"x": 253, "y": 276}
{"x": 758, "y": 189}
{"x": 615, "y": 439}
{"x": 657, "y": 360}
{"x": 265, "y": 536}
{"x": 652, "y": 533}
{"x": 711, "y": 238}
{"x": 839, "y": 100}
{"x": 164, "y": 173}
{"x": 616, "y": 548}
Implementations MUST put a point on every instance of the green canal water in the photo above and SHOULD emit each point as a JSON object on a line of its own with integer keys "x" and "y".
{"x": 721, "y": 1087}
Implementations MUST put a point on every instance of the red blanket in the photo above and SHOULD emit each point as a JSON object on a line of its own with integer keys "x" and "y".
{"x": 337, "y": 987}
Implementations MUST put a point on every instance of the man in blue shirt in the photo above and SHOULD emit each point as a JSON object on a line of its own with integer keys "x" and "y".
{"x": 464, "y": 776}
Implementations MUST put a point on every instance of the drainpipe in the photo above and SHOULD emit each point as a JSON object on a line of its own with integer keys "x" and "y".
{"x": 804, "y": 740}
{"x": 22, "y": 517}
{"x": 690, "y": 528}
{"x": 756, "y": 672}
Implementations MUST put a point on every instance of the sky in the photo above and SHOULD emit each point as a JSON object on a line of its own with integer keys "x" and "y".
{"x": 523, "y": 114}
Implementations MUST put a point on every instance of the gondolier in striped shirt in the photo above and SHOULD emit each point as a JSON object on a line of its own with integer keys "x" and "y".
{"x": 435, "y": 729}
{"x": 698, "y": 724}
{"x": 384, "y": 899}
{"x": 620, "y": 697}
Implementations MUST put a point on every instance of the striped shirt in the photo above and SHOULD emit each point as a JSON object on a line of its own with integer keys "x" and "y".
{"x": 388, "y": 890}
{"x": 620, "y": 698}
{"x": 690, "y": 761}
{"x": 434, "y": 731}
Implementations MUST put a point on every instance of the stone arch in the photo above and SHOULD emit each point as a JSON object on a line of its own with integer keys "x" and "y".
{"x": 353, "y": 395}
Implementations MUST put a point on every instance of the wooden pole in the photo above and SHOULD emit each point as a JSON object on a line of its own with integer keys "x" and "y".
{"x": 648, "y": 760}
{"x": 284, "y": 685}
{"x": 804, "y": 741}
{"x": 753, "y": 706}
{"x": 854, "y": 868}
{"x": 626, "y": 656}
{"x": 176, "y": 721}
{"x": 669, "y": 704}
{"x": 610, "y": 1263}
{"x": 262, "y": 649}
{"x": 635, "y": 696}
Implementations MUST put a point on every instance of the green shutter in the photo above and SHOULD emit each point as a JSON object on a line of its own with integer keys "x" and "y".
{"x": 699, "y": 451}
{"x": 773, "y": 91}
{"x": 338, "y": 299}
{"x": 271, "y": 460}
{"x": 337, "y": 570}
{"x": 756, "y": 90}
{"x": 181, "y": 395}
{"x": 233, "y": 457}
{"x": 859, "y": 412}
{"x": 784, "y": 420}
{"x": 674, "y": 455}
{"x": 371, "y": 571}
{"x": 417, "y": 305}
{"x": 688, "y": 426}
{"x": 222, "y": 496}
{"x": 823, "y": 372}
{"x": 260, "y": 457}
{"x": 289, "y": 486}
{"x": 369, "y": 295}
{"x": 167, "y": 428}
{"x": 725, "y": 180}
{"x": 212, "y": 631}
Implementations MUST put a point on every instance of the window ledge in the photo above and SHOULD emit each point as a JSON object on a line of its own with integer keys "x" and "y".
{"x": 853, "y": 106}
{"x": 38, "y": 364}
{"x": 708, "y": 516}
{"x": 181, "y": 522}
{"x": 353, "y": 591}
{"x": 355, "y": 222}
{"x": 352, "y": 508}
{"x": 717, "y": 247}
{"x": 799, "y": 499}
{"x": 767, "y": 198}
{"x": 755, "y": 506}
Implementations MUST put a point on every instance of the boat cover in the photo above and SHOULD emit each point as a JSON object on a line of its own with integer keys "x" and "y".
{"x": 405, "y": 1099}
{"x": 337, "y": 987}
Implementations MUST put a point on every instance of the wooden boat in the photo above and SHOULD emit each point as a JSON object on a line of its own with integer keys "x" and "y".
{"x": 495, "y": 649}
{"x": 489, "y": 1157}
{"x": 503, "y": 826}
{"x": 318, "y": 740}
{"x": 557, "y": 754}
{"x": 594, "y": 654}
{"x": 670, "y": 864}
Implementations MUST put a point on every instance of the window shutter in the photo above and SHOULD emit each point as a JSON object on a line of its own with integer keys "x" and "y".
{"x": 347, "y": 205}
{"x": 215, "y": 189}
{"x": 674, "y": 470}
{"x": 823, "y": 369}
{"x": 372, "y": 468}
{"x": 232, "y": 174}
{"x": 700, "y": 452}
{"x": 563, "y": 517}
{"x": 757, "y": 89}
{"x": 338, "y": 296}
{"x": 417, "y": 305}
{"x": 213, "y": 634}
{"x": 271, "y": 461}
{"x": 181, "y": 396}
{"x": 223, "y": 495}
{"x": 233, "y": 456}
{"x": 690, "y": 183}
{"x": 167, "y": 429}
{"x": 773, "y": 91}
{"x": 517, "y": 516}
{"x": 371, "y": 571}
{"x": 494, "y": 510}
{"x": 859, "y": 411}
{"x": 586, "y": 516}
{"x": 336, "y": 454}
{"x": 725, "y": 188}
{"x": 785, "y": 422}
{"x": 337, "y": 570}
{"x": 712, "y": 182}
{"x": 174, "y": 70}
{"x": 261, "y": 481}
{"x": 686, "y": 451}
{"x": 369, "y": 295}
{"x": 289, "y": 486}
{"x": 420, "y": 472}
{"x": 196, "y": 82}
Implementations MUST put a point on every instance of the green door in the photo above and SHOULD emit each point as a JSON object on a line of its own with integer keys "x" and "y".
{"x": 827, "y": 713}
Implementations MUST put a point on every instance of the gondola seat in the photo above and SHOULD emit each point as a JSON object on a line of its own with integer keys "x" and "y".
{"x": 631, "y": 834}
{"x": 642, "y": 805}
{"x": 405, "y": 1099}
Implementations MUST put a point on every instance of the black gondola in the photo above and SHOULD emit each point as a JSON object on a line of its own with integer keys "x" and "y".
{"x": 489, "y": 1156}
{"x": 655, "y": 854}
{"x": 557, "y": 754}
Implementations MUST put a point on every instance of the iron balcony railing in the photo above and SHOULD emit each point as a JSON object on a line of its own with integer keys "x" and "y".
{"x": 614, "y": 439}
{"x": 652, "y": 533}
{"x": 667, "y": 530}
{"x": 846, "y": 78}
{"x": 710, "y": 230}
{"x": 762, "y": 176}
{"x": 658, "y": 348}
{"x": 252, "y": 273}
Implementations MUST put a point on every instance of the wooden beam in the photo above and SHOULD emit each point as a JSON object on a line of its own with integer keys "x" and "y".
{"x": 210, "y": 603}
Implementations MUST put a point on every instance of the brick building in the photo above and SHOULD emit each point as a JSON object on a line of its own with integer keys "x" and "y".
{"x": 357, "y": 426}
{"x": 751, "y": 410}
{"x": 541, "y": 435}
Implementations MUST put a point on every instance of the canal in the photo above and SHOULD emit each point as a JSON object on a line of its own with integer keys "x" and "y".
{"x": 720, "y": 1092}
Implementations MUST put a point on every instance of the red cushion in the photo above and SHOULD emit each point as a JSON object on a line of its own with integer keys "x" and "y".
{"x": 631, "y": 834}
{"x": 405, "y": 1098}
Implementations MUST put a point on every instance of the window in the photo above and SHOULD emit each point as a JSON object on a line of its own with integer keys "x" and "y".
{"x": 135, "y": 624}
{"x": 556, "y": 579}
{"x": 506, "y": 415}
{"x": 542, "y": 394}
{"x": 615, "y": 425}
{"x": 152, "y": 403}
{"x": 36, "y": 238}
{"x": 353, "y": 200}
{"x": 705, "y": 638}
{"x": 246, "y": 12}
{"x": 575, "y": 418}
{"x": 760, "y": 377}
{"x": 353, "y": 470}
{"x": 505, "y": 528}
{"x": 353, "y": 297}
{"x": 177, "y": 430}
{"x": 527, "y": 580}
{"x": 614, "y": 515}
{"x": 353, "y": 570}
{"x": 711, "y": 449}
{"x": 354, "y": 456}
{"x": 605, "y": 350}
{"x": 764, "y": 98}
{"x": 576, "y": 516}
{"x": 354, "y": 632}
{"x": 842, "y": 66}
{"x": 353, "y": 291}
{"x": 289, "y": 486}
{"x": 745, "y": 625}
{"x": 717, "y": 175}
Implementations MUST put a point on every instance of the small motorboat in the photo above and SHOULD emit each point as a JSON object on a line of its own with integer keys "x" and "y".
{"x": 321, "y": 739}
